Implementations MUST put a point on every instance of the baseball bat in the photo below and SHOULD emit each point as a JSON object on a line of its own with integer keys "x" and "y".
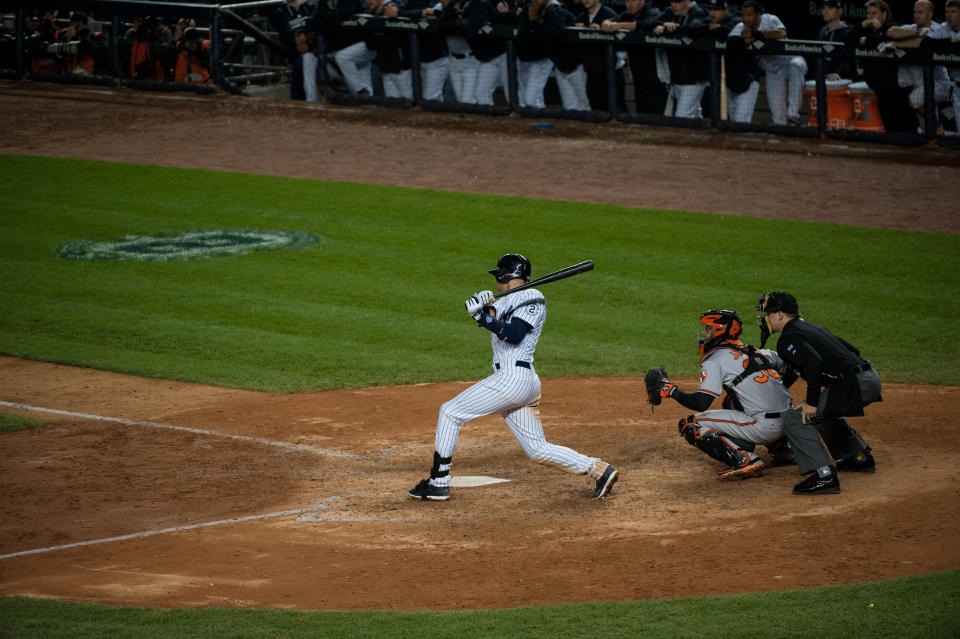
{"x": 563, "y": 273}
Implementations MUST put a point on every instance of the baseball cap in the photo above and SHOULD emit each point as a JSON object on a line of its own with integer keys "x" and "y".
{"x": 715, "y": 4}
{"x": 831, "y": 3}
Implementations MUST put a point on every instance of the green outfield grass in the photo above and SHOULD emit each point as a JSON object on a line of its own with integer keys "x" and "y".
{"x": 379, "y": 299}
{"x": 914, "y": 607}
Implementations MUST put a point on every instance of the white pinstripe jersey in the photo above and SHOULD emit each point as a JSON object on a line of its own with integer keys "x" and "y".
{"x": 762, "y": 392}
{"x": 531, "y": 307}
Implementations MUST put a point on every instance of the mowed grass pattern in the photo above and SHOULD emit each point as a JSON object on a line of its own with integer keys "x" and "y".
{"x": 379, "y": 300}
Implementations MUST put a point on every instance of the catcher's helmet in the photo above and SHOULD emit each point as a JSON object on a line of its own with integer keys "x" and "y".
{"x": 778, "y": 301}
{"x": 511, "y": 266}
{"x": 726, "y": 326}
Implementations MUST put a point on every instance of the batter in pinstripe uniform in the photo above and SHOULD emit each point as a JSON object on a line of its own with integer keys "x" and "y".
{"x": 513, "y": 390}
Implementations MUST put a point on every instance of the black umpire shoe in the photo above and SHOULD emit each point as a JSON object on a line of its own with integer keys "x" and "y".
{"x": 425, "y": 490}
{"x": 606, "y": 482}
{"x": 858, "y": 464}
{"x": 817, "y": 484}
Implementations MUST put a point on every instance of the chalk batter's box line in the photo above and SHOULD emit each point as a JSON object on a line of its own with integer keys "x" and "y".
{"x": 197, "y": 431}
{"x": 162, "y": 531}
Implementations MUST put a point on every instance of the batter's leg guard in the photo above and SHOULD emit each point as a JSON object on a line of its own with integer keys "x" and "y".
{"x": 437, "y": 486}
{"x": 440, "y": 471}
{"x": 805, "y": 442}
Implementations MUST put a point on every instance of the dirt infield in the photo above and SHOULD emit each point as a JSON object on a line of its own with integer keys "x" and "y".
{"x": 203, "y": 496}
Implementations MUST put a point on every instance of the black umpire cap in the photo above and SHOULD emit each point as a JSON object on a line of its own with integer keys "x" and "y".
{"x": 831, "y": 3}
{"x": 714, "y": 4}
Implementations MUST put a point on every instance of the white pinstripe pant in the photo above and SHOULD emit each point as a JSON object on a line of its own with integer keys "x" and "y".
{"x": 490, "y": 75}
{"x": 513, "y": 392}
{"x": 573, "y": 89}
{"x": 740, "y": 106}
{"x": 532, "y": 77}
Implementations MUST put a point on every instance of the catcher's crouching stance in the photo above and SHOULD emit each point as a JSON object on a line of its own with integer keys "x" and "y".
{"x": 752, "y": 409}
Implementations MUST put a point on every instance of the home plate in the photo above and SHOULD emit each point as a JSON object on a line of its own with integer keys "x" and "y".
{"x": 469, "y": 481}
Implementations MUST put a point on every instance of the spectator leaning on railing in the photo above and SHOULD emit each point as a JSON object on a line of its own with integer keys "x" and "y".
{"x": 834, "y": 29}
{"x": 434, "y": 61}
{"x": 881, "y": 76}
{"x": 547, "y": 20}
{"x": 594, "y": 57}
{"x": 533, "y": 57}
{"x": 910, "y": 76}
{"x": 689, "y": 71}
{"x": 650, "y": 94}
{"x": 193, "y": 63}
{"x": 784, "y": 73}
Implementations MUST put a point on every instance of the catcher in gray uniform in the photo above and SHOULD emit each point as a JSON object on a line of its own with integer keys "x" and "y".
{"x": 753, "y": 407}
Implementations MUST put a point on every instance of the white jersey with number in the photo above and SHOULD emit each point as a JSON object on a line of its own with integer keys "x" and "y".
{"x": 760, "y": 392}
{"x": 529, "y": 306}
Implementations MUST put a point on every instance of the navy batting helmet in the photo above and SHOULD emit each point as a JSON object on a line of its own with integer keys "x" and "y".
{"x": 511, "y": 266}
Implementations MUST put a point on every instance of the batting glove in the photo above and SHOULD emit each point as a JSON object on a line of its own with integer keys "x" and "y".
{"x": 486, "y": 298}
{"x": 473, "y": 306}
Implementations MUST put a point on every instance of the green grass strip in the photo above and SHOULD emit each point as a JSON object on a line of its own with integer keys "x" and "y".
{"x": 11, "y": 423}
{"x": 379, "y": 299}
{"x": 924, "y": 606}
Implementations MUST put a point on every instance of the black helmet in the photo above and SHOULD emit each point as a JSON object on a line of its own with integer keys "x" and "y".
{"x": 511, "y": 266}
{"x": 778, "y": 301}
{"x": 726, "y": 324}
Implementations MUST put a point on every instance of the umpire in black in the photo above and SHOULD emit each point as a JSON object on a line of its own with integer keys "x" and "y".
{"x": 839, "y": 384}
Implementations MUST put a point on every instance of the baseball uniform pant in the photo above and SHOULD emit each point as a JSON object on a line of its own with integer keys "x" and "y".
{"x": 785, "y": 90}
{"x": 463, "y": 77}
{"x": 354, "y": 62}
{"x": 532, "y": 77}
{"x": 686, "y": 100}
{"x": 433, "y": 75}
{"x": 310, "y": 77}
{"x": 398, "y": 85}
{"x": 514, "y": 393}
{"x": 740, "y": 105}
{"x": 840, "y": 438}
{"x": 490, "y": 75}
{"x": 757, "y": 429}
{"x": 573, "y": 89}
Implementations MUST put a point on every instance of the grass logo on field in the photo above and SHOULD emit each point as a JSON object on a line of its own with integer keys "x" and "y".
{"x": 175, "y": 246}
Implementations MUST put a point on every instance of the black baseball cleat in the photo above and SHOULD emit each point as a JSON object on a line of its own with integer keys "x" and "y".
{"x": 425, "y": 490}
{"x": 606, "y": 482}
{"x": 817, "y": 484}
{"x": 858, "y": 463}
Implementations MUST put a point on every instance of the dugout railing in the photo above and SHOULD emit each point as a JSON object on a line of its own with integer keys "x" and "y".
{"x": 232, "y": 28}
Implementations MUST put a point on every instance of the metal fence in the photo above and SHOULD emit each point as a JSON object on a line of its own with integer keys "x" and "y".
{"x": 245, "y": 56}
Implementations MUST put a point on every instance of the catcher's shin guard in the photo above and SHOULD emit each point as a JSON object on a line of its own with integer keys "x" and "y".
{"x": 715, "y": 444}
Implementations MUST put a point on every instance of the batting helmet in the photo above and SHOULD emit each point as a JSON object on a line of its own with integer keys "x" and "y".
{"x": 726, "y": 327}
{"x": 511, "y": 266}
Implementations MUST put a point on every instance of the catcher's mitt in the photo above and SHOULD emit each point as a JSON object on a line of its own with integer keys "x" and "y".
{"x": 658, "y": 385}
